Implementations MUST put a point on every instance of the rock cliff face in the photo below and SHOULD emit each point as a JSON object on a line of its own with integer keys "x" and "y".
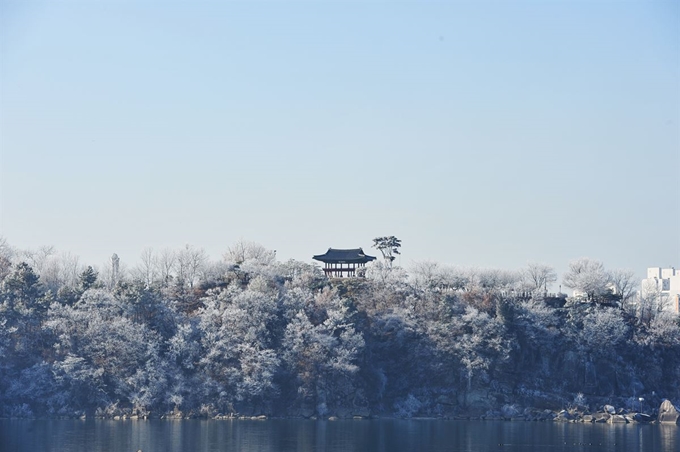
{"x": 668, "y": 414}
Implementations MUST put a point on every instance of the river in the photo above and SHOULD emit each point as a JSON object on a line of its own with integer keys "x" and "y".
{"x": 288, "y": 435}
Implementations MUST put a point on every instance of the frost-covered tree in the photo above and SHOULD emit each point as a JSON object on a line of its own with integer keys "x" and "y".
{"x": 6, "y": 250}
{"x": 388, "y": 286}
{"x": 536, "y": 332}
{"x": 60, "y": 270}
{"x": 651, "y": 301}
{"x": 29, "y": 390}
{"x": 38, "y": 259}
{"x": 604, "y": 328}
{"x": 457, "y": 278}
{"x": 6, "y": 256}
{"x": 493, "y": 279}
{"x": 538, "y": 277}
{"x": 588, "y": 277}
{"x": 386, "y": 275}
{"x": 624, "y": 285}
{"x": 100, "y": 355}
{"x": 323, "y": 357}
{"x": 23, "y": 305}
{"x": 301, "y": 274}
{"x": 189, "y": 264}
{"x": 237, "y": 354}
{"x": 426, "y": 275}
{"x": 662, "y": 330}
{"x": 244, "y": 251}
{"x": 146, "y": 305}
{"x": 22, "y": 290}
{"x": 481, "y": 345}
{"x": 165, "y": 265}
{"x": 183, "y": 356}
{"x": 147, "y": 269}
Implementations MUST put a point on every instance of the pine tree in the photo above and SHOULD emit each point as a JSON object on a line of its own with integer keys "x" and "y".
{"x": 88, "y": 278}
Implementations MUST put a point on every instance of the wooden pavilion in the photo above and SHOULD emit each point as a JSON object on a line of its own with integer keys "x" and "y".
{"x": 343, "y": 263}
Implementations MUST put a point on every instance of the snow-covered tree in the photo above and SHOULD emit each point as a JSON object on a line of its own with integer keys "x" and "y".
{"x": 604, "y": 328}
{"x": 538, "y": 277}
{"x": 237, "y": 354}
{"x": 588, "y": 277}
{"x": 426, "y": 275}
{"x": 98, "y": 352}
{"x": 323, "y": 357}
{"x": 189, "y": 264}
{"x": 244, "y": 251}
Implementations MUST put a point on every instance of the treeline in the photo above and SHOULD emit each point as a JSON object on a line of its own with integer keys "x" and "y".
{"x": 249, "y": 335}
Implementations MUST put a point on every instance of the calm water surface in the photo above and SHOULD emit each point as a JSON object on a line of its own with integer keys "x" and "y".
{"x": 338, "y": 436}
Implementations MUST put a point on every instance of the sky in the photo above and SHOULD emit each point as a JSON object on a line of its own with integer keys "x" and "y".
{"x": 485, "y": 133}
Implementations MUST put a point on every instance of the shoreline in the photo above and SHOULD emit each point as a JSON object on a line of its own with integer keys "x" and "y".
{"x": 562, "y": 416}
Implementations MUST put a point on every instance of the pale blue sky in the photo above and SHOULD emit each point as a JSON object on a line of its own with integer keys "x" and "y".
{"x": 480, "y": 133}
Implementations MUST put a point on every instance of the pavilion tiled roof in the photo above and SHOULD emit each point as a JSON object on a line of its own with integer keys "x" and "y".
{"x": 353, "y": 256}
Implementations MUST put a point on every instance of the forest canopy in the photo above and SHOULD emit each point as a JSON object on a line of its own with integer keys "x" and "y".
{"x": 248, "y": 335}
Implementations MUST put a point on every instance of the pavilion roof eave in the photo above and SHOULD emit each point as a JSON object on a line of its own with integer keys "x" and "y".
{"x": 344, "y": 256}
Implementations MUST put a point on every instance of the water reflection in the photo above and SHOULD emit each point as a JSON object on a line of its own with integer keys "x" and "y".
{"x": 669, "y": 437}
{"x": 335, "y": 436}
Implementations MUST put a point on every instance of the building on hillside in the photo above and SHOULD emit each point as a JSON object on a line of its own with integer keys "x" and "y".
{"x": 343, "y": 263}
{"x": 663, "y": 283}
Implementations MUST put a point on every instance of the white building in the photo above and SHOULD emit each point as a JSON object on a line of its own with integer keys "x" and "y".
{"x": 665, "y": 284}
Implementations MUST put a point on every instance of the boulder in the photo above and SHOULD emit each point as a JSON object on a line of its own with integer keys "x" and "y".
{"x": 668, "y": 414}
{"x": 563, "y": 416}
{"x": 617, "y": 419}
{"x": 510, "y": 411}
{"x": 641, "y": 417}
{"x": 609, "y": 409}
{"x": 602, "y": 417}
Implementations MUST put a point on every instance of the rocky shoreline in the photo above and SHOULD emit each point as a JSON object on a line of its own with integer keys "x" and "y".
{"x": 607, "y": 414}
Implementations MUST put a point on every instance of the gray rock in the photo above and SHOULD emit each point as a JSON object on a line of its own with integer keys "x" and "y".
{"x": 641, "y": 417}
{"x": 668, "y": 414}
{"x": 602, "y": 417}
{"x": 617, "y": 419}
{"x": 509, "y": 411}
{"x": 609, "y": 409}
{"x": 563, "y": 416}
